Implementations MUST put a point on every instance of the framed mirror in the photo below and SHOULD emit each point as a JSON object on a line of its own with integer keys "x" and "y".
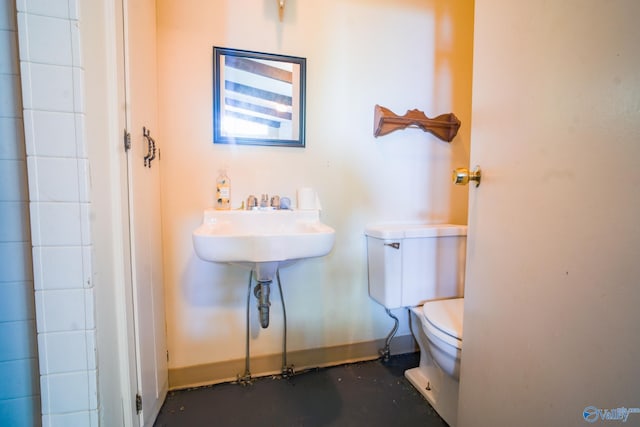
{"x": 258, "y": 98}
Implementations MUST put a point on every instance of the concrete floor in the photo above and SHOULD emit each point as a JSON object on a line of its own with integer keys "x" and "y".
{"x": 358, "y": 394}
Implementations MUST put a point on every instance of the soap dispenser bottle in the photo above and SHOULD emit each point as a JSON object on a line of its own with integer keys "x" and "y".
{"x": 223, "y": 191}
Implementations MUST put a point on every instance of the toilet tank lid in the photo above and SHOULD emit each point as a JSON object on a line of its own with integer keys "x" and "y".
{"x": 403, "y": 230}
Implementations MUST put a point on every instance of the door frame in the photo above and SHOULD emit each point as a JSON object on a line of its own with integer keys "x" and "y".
{"x": 108, "y": 160}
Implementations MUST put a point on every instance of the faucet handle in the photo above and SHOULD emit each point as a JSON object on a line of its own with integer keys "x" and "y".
{"x": 252, "y": 202}
{"x": 285, "y": 203}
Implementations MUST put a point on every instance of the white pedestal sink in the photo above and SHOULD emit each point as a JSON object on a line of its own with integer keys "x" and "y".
{"x": 262, "y": 239}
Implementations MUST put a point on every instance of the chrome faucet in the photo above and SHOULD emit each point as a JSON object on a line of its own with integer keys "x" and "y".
{"x": 265, "y": 202}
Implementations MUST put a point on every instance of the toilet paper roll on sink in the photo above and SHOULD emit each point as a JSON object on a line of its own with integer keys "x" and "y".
{"x": 308, "y": 199}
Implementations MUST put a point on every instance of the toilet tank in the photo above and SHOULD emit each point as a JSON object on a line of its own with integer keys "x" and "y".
{"x": 411, "y": 263}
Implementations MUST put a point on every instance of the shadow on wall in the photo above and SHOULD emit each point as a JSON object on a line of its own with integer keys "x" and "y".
{"x": 207, "y": 284}
{"x": 453, "y": 65}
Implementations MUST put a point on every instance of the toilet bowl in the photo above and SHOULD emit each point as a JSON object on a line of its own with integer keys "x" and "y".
{"x": 436, "y": 377}
{"x": 437, "y": 327}
{"x": 442, "y": 324}
{"x": 421, "y": 267}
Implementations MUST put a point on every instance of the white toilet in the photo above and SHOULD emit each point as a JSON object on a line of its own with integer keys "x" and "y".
{"x": 421, "y": 267}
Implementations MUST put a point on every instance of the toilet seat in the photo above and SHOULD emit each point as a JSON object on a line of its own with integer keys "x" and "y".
{"x": 444, "y": 320}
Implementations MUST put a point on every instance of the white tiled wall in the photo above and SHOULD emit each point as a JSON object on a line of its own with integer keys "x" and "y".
{"x": 57, "y": 168}
{"x": 19, "y": 384}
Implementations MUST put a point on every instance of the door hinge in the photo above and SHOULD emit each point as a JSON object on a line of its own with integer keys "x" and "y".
{"x": 138, "y": 403}
{"x": 167, "y": 355}
{"x": 127, "y": 140}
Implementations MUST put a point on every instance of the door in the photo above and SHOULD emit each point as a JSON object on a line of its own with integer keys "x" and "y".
{"x": 143, "y": 165}
{"x": 553, "y": 275}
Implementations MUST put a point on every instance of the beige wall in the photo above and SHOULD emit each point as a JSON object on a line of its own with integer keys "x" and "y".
{"x": 400, "y": 54}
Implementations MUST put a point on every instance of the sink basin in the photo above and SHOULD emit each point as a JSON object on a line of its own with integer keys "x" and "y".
{"x": 262, "y": 239}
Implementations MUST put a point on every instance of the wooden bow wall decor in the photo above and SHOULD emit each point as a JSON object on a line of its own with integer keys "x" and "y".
{"x": 445, "y": 126}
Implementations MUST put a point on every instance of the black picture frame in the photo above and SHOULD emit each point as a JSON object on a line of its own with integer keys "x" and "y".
{"x": 258, "y": 98}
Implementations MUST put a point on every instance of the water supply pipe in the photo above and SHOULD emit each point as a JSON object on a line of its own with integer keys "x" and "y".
{"x": 386, "y": 351}
{"x": 287, "y": 370}
{"x": 246, "y": 377}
